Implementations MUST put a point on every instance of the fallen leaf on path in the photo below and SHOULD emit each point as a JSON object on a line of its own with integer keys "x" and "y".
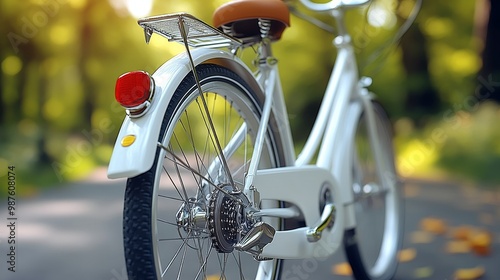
{"x": 480, "y": 242}
{"x": 342, "y": 269}
{"x": 433, "y": 225}
{"x": 469, "y": 273}
{"x": 457, "y": 247}
{"x": 407, "y": 255}
{"x": 421, "y": 237}
{"x": 462, "y": 232}
{"x": 423, "y": 272}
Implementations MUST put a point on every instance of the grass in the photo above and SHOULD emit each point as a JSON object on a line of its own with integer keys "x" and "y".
{"x": 34, "y": 178}
{"x": 462, "y": 145}
{"x": 30, "y": 182}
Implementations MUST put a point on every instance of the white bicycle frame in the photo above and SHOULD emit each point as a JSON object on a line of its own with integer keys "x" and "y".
{"x": 332, "y": 139}
{"x": 302, "y": 182}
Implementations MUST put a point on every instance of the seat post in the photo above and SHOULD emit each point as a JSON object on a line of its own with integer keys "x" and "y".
{"x": 265, "y": 50}
{"x": 343, "y": 39}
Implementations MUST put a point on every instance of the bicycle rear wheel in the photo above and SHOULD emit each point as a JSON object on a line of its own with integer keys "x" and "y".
{"x": 179, "y": 222}
{"x": 372, "y": 247}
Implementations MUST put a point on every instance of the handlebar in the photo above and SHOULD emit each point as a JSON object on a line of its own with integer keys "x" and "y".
{"x": 332, "y": 5}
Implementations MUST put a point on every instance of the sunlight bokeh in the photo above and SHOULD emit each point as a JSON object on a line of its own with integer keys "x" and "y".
{"x": 381, "y": 15}
{"x": 139, "y": 8}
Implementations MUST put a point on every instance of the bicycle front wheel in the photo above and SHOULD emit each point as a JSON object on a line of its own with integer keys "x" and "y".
{"x": 372, "y": 246}
{"x": 179, "y": 221}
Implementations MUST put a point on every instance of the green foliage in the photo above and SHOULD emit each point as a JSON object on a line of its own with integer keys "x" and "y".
{"x": 462, "y": 145}
{"x": 472, "y": 149}
{"x": 62, "y": 57}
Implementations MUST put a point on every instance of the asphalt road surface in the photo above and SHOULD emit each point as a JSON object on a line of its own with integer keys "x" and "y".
{"x": 74, "y": 232}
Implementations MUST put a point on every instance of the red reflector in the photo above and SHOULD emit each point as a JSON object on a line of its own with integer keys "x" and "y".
{"x": 133, "y": 88}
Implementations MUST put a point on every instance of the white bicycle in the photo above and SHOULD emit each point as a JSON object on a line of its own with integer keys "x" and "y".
{"x": 215, "y": 190}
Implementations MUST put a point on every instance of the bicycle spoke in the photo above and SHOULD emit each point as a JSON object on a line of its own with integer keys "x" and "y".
{"x": 187, "y": 166}
{"x": 203, "y": 266}
{"x": 186, "y": 198}
{"x": 174, "y": 257}
{"x": 188, "y": 131}
{"x": 215, "y": 139}
{"x": 223, "y": 266}
{"x": 238, "y": 263}
{"x": 182, "y": 263}
{"x": 170, "y": 197}
{"x": 179, "y": 176}
{"x": 167, "y": 222}
{"x": 176, "y": 225}
{"x": 231, "y": 196}
{"x": 200, "y": 257}
{"x": 182, "y": 238}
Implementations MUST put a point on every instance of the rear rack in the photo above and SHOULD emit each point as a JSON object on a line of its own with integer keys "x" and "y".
{"x": 198, "y": 33}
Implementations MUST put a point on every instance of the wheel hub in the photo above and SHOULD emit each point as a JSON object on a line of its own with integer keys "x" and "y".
{"x": 191, "y": 217}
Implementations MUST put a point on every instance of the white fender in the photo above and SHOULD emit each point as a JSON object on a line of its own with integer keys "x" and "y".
{"x": 138, "y": 158}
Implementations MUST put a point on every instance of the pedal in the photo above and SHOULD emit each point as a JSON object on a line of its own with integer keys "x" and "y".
{"x": 326, "y": 221}
{"x": 259, "y": 236}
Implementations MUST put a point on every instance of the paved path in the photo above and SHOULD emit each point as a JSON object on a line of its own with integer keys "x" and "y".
{"x": 74, "y": 232}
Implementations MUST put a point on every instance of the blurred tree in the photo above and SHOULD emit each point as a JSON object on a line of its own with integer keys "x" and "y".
{"x": 3, "y": 108}
{"x": 489, "y": 79}
{"x": 421, "y": 97}
{"x": 85, "y": 41}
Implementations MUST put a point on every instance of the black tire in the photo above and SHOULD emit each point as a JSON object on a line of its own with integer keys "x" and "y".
{"x": 153, "y": 200}
{"x": 372, "y": 247}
